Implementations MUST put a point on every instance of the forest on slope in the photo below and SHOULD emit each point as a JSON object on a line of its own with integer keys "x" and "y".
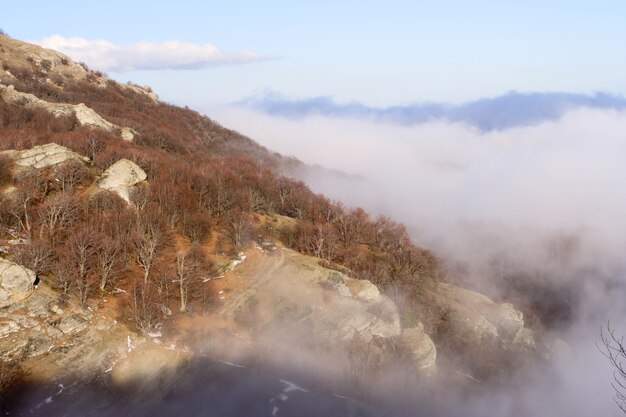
{"x": 209, "y": 193}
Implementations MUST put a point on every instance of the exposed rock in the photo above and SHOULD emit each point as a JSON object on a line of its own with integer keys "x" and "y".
{"x": 24, "y": 55}
{"x": 420, "y": 347}
{"x": 85, "y": 116}
{"x": 56, "y": 65}
{"x": 43, "y": 156}
{"x": 72, "y": 324}
{"x": 7, "y": 327}
{"x": 364, "y": 290}
{"x": 121, "y": 177}
{"x": 525, "y": 340}
{"x": 292, "y": 298}
{"x": 145, "y": 90}
{"x": 128, "y": 134}
{"x": 88, "y": 117}
{"x": 16, "y": 282}
{"x": 476, "y": 313}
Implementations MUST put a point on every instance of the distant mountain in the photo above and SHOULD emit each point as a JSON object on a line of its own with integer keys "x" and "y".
{"x": 510, "y": 110}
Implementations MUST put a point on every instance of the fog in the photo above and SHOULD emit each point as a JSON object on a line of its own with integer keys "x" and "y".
{"x": 541, "y": 205}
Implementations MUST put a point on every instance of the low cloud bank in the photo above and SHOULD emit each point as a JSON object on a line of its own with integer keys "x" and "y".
{"x": 173, "y": 55}
{"x": 510, "y": 110}
{"x": 539, "y": 208}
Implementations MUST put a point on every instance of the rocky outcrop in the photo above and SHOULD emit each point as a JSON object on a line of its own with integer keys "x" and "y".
{"x": 56, "y": 65}
{"x": 420, "y": 348}
{"x": 291, "y": 298}
{"x": 85, "y": 116}
{"x": 474, "y": 313}
{"x": 142, "y": 89}
{"x": 128, "y": 134}
{"x": 16, "y": 282}
{"x": 121, "y": 177}
{"x": 43, "y": 156}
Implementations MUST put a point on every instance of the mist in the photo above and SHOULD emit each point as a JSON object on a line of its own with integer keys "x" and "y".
{"x": 539, "y": 208}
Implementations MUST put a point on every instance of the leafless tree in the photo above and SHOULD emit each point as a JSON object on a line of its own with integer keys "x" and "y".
{"x": 148, "y": 237}
{"x": 140, "y": 196}
{"x": 70, "y": 174}
{"x": 62, "y": 271}
{"x": 80, "y": 251}
{"x": 321, "y": 241}
{"x": 144, "y": 305}
{"x": 184, "y": 273}
{"x": 32, "y": 187}
{"x": 237, "y": 225}
{"x": 614, "y": 348}
{"x": 108, "y": 263}
{"x": 36, "y": 255}
{"x": 94, "y": 146}
{"x": 56, "y": 214}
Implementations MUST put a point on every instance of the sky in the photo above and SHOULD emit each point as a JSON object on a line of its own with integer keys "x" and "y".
{"x": 477, "y": 124}
{"x": 377, "y": 53}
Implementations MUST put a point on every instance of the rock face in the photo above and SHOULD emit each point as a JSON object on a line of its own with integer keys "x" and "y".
{"x": 121, "y": 177}
{"x": 475, "y": 313}
{"x": 482, "y": 331}
{"x": 292, "y": 298}
{"x": 43, "y": 156}
{"x": 421, "y": 349}
{"x": 56, "y": 65}
{"x": 86, "y": 116}
{"x": 16, "y": 282}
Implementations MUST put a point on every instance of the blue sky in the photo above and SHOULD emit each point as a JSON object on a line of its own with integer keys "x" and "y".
{"x": 378, "y": 53}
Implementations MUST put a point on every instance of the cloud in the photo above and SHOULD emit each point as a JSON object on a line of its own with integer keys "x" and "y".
{"x": 107, "y": 56}
{"x": 510, "y": 110}
{"x": 540, "y": 206}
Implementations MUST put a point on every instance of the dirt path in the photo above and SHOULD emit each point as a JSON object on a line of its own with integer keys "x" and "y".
{"x": 240, "y": 298}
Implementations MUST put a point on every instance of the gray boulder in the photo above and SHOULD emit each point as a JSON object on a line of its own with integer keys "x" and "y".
{"x": 421, "y": 349}
{"x": 43, "y": 156}
{"x": 16, "y": 282}
{"x": 121, "y": 177}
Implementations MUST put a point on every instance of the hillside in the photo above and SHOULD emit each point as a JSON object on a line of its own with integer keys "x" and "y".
{"x": 129, "y": 223}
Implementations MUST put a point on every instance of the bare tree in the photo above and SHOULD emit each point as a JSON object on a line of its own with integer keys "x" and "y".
{"x": 80, "y": 251}
{"x": 63, "y": 274}
{"x": 237, "y": 225}
{"x": 70, "y": 174}
{"x": 148, "y": 237}
{"x": 189, "y": 266}
{"x": 94, "y": 146}
{"x": 143, "y": 305}
{"x": 184, "y": 272}
{"x": 32, "y": 187}
{"x": 36, "y": 255}
{"x": 108, "y": 263}
{"x": 614, "y": 349}
{"x": 56, "y": 214}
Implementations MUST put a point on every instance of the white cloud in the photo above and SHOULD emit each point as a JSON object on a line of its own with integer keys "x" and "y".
{"x": 107, "y": 56}
{"x": 513, "y": 195}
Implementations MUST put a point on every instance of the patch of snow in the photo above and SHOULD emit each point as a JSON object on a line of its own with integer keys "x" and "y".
{"x": 291, "y": 386}
{"x": 130, "y": 344}
{"x": 468, "y": 376}
{"x": 155, "y": 333}
{"x": 232, "y": 364}
{"x": 118, "y": 291}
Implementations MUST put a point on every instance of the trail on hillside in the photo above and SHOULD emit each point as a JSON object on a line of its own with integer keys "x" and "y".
{"x": 240, "y": 298}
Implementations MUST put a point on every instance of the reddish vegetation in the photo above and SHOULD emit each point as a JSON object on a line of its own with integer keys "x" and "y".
{"x": 206, "y": 184}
